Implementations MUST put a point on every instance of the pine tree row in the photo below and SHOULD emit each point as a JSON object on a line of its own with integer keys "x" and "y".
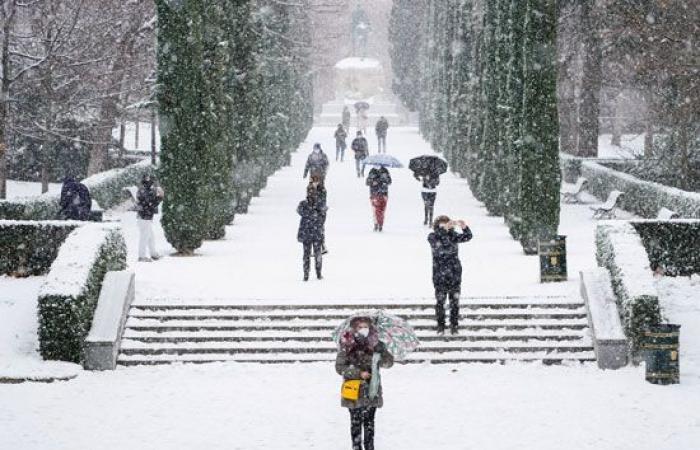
{"x": 234, "y": 95}
{"x": 487, "y": 77}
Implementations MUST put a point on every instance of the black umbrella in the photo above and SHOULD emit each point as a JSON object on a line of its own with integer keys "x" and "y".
{"x": 361, "y": 105}
{"x": 427, "y": 165}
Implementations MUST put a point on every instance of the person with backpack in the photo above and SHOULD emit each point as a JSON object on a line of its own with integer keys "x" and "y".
{"x": 148, "y": 198}
{"x": 340, "y": 144}
{"x": 317, "y": 163}
{"x": 447, "y": 270}
{"x": 316, "y": 191}
{"x": 311, "y": 233}
{"x": 355, "y": 362}
{"x": 381, "y": 129}
{"x": 361, "y": 149}
{"x": 378, "y": 181}
{"x": 75, "y": 202}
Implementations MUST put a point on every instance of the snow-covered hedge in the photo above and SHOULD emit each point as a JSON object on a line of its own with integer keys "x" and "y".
{"x": 68, "y": 297}
{"x": 30, "y": 247}
{"x": 672, "y": 246}
{"x": 644, "y": 198}
{"x": 621, "y": 251}
{"x": 105, "y": 187}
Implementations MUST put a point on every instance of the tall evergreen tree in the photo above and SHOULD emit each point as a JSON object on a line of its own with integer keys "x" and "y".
{"x": 405, "y": 37}
{"x": 540, "y": 178}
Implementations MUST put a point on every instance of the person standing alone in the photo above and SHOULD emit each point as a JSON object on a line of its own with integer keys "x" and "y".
{"x": 311, "y": 233}
{"x": 447, "y": 270}
{"x": 361, "y": 149}
{"x": 429, "y": 193}
{"x": 378, "y": 181}
{"x": 340, "y": 144}
{"x": 381, "y": 128}
{"x": 148, "y": 198}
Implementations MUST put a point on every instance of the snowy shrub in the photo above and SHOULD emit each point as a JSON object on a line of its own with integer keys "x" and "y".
{"x": 620, "y": 250}
{"x": 68, "y": 297}
{"x": 672, "y": 246}
{"x": 28, "y": 247}
{"x": 643, "y": 198}
{"x": 105, "y": 188}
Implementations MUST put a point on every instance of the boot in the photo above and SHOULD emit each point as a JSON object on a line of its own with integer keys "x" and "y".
{"x": 318, "y": 275}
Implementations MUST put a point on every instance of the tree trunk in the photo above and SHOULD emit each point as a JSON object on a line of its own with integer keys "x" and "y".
{"x": 648, "y": 129}
{"x": 122, "y": 136}
{"x": 154, "y": 124}
{"x": 590, "y": 82}
{"x": 137, "y": 127}
{"x": 8, "y": 19}
{"x": 616, "y": 123}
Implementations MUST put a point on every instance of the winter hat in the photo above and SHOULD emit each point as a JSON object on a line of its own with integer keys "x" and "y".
{"x": 317, "y": 146}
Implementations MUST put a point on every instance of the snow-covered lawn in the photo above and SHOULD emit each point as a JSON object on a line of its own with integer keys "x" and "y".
{"x": 244, "y": 407}
{"x": 18, "y": 189}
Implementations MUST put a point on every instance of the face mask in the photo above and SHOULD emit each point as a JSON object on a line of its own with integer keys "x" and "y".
{"x": 364, "y": 332}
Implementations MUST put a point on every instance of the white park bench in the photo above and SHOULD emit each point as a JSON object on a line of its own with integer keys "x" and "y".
{"x": 570, "y": 193}
{"x": 667, "y": 214}
{"x": 607, "y": 209}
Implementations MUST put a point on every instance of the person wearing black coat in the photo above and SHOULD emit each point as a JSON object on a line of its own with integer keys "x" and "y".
{"x": 447, "y": 270}
{"x": 311, "y": 233}
{"x": 316, "y": 191}
{"x": 148, "y": 198}
{"x": 378, "y": 181}
{"x": 75, "y": 201}
{"x": 429, "y": 193}
{"x": 361, "y": 148}
{"x": 340, "y": 144}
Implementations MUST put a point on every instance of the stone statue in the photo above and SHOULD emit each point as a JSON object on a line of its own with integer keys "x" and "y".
{"x": 360, "y": 31}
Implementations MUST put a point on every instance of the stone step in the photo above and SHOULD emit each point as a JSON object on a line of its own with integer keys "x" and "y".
{"x": 290, "y": 358}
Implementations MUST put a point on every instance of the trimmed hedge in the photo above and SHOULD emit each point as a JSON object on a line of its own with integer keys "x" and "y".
{"x": 29, "y": 247}
{"x": 68, "y": 298}
{"x": 672, "y": 246}
{"x": 620, "y": 250}
{"x": 105, "y": 188}
{"x": 644, "y": 198}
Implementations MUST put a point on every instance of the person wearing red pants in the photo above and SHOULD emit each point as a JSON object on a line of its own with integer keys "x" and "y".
{"x": 378, "y": 181}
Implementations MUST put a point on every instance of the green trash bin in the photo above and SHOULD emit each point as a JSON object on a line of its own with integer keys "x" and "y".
{"x": 660, "y": 348}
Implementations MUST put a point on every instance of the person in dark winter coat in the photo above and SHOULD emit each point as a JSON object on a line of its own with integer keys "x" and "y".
{"x": 429, "y": 193}
{"x": 447, "y": 270}
{"x": 316, "y": 191}
{"x": 361, "y": 148}
{"x": 340, "y": 144}
{"x": 378, "y": 181}
{"x": 311, "y": 233}
{"x": 75, "y": 201}
{"x": 381, "y": 128}
{"x": 354, "y": 362}
{"x": 346, "y": 118}
{"x": 148, "y": 198}
{"x": 317, "y": 163}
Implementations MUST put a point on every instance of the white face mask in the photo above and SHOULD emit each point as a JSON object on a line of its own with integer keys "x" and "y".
{"x": 363, "y": 332}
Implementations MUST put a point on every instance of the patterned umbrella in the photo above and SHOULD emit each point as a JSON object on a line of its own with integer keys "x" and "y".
{"x": 382, "y": 159}
{"x": 394, "y": 332}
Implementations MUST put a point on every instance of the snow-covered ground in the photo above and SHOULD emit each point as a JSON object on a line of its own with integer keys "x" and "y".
{"x": 631, "y": 146}
{"x": 238, "y": 406}
{"x": 18, "y": 189}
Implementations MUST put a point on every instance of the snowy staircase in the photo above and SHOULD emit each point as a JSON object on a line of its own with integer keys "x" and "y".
{"x": 551, "y": 330}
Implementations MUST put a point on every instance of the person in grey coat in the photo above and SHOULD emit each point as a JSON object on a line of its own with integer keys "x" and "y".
{"x": 316, "y": 163}
{"x": 354, "y": 362}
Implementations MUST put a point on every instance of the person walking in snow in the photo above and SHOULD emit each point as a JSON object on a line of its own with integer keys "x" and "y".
{"x": 75, "y": 201}
{"x": 311, "y": 233}
{"x": 316, "y": 191}
{"x": 378, "y": 181}
{"x": 447, "y": 270}
{"x": 346, "y": 118}
{"x": 362, "y": 120}
{"x": 429, "y": 193}
{"x": 148, "y": 198}
{"x": 317, "y": 163}
{"x": 361, "y": 149}
{"x": 354, "y": 362}
{"x": 381, "y": 129}
{"x": 340, "y": 144}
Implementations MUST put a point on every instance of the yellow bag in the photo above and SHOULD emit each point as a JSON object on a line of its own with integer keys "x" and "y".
{"x": 351, "y": 390}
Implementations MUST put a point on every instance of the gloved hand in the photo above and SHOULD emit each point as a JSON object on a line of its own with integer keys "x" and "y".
{"x": 379, "y": 347}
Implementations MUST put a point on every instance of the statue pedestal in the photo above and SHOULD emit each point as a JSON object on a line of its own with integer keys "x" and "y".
{"x": 358, "y": 79}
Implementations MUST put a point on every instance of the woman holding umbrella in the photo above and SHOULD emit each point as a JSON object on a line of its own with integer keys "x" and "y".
{"x": 378, "y": 181}
{"x": 427, "y": 169}
{"x": 360, "y": 356}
